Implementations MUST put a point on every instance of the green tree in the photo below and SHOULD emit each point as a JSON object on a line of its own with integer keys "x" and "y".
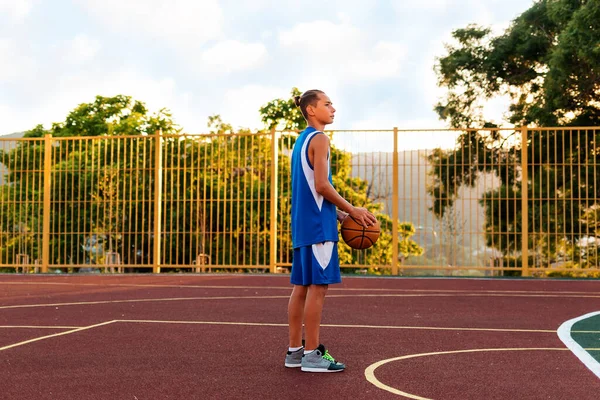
{"x": 215, "y": 190}
{"x": 239, "y": 185}
{"x": 283, "y": 114}
{"x": 547, "y": 63}
{"x": 102, "y": 188}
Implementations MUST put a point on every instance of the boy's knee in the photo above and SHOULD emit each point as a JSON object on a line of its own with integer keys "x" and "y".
{"x": 319, "y": 288}
{"x": 299, "y": 291}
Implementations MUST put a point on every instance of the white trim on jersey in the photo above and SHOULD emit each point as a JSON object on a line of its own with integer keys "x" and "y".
{"x": 309, "y": 173}
{"x": 323, "y": 253}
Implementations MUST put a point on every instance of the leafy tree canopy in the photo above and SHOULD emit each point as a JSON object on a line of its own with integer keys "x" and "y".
{"x": 547, "y": 61}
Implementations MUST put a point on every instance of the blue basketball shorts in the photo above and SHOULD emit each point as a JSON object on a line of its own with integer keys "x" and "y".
{"x": 318, "y": 264}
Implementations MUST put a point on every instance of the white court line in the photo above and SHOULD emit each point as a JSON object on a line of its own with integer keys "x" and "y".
{"x": 290, "y": 288}
{"x": 370, "y": 370}
{"x": 468, "y": 294}
{"x": 150, "y": 321}
{"x": 37, "y": 327}
{"x": 82, "y": 303}
{"x": 275, "y": 297}
{"x": 564, "y": 333}
{"x": 54, "y": 335}
{"x": 432, "y": 328}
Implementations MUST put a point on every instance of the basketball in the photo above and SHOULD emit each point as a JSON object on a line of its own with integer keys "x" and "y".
{"x": 357, "y": 236}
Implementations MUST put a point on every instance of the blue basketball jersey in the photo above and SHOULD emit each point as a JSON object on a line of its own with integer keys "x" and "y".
{"x": 314, "y": 219}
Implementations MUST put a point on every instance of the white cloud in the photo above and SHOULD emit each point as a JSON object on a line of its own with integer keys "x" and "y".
{"x": 15, "y": 63}
{"x": 342, "y": 52}
{"x": 384, "y": 61}
{"x": 403, "y": 7}
{"x": 357, "y": 8}
{"x": 183, "y": 23}
{"x": 80, "y": 49}
{"x": 177, "y": 54}
{"x": 254, "y": 5}
{"x": 320, "y": 36}
{"x": 128, "y": 80}
{"x": 231, "y": 55}
{"x": 65, "y": 93}
{"x": 240, "y": 106}
{"x": 16, "y": 10}
{"x": 14, "y": 120}
{"x": 84, "y": 86}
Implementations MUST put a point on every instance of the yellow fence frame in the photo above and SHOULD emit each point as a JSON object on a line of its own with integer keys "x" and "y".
{"x": 275, "y": 264}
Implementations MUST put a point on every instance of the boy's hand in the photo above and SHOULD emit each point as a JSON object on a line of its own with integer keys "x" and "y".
{"x": 363, "y": 216}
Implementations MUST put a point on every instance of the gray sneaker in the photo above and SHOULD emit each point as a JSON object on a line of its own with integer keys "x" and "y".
{"x": 293, "y": 359}
{"x": 321, "y": 361}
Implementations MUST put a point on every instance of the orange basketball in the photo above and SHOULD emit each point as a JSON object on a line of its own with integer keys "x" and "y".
{"x": 357, "y": 236}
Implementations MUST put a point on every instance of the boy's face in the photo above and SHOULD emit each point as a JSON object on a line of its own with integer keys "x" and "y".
{"x": 323, "y": 111}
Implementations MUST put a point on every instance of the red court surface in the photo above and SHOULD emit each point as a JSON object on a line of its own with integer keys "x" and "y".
{"x": 225, "y": 336}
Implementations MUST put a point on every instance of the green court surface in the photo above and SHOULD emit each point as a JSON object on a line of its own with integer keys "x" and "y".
{"x": 587, "y": 334}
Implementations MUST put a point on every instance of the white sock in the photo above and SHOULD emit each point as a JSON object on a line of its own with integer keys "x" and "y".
{"x": 308, "y": 351}
{"x": 292, "y": 349}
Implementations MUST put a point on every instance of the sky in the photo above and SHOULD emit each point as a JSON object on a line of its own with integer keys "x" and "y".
{"x": 199, "y": 58}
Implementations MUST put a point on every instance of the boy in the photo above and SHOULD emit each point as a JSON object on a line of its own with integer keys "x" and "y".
{"x": 314, "y": 235}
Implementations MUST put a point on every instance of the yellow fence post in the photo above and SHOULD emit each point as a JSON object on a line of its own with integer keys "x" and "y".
{"x": 524, "y": 206}
{"x": 274, "y": 191}
{"x": 46, "y": 206}
{"x": 252, "y": 244}
{"x": 395, "y": 205}
{"x": 157, "y": 201}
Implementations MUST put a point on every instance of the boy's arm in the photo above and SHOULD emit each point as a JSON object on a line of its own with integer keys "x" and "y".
{"x": 319, "y": 149}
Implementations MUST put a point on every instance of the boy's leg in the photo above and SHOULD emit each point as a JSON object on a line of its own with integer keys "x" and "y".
{"x": 312, "y": 314}
{"x": 296, "y": 314}
{"x": 316, "y": 358}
